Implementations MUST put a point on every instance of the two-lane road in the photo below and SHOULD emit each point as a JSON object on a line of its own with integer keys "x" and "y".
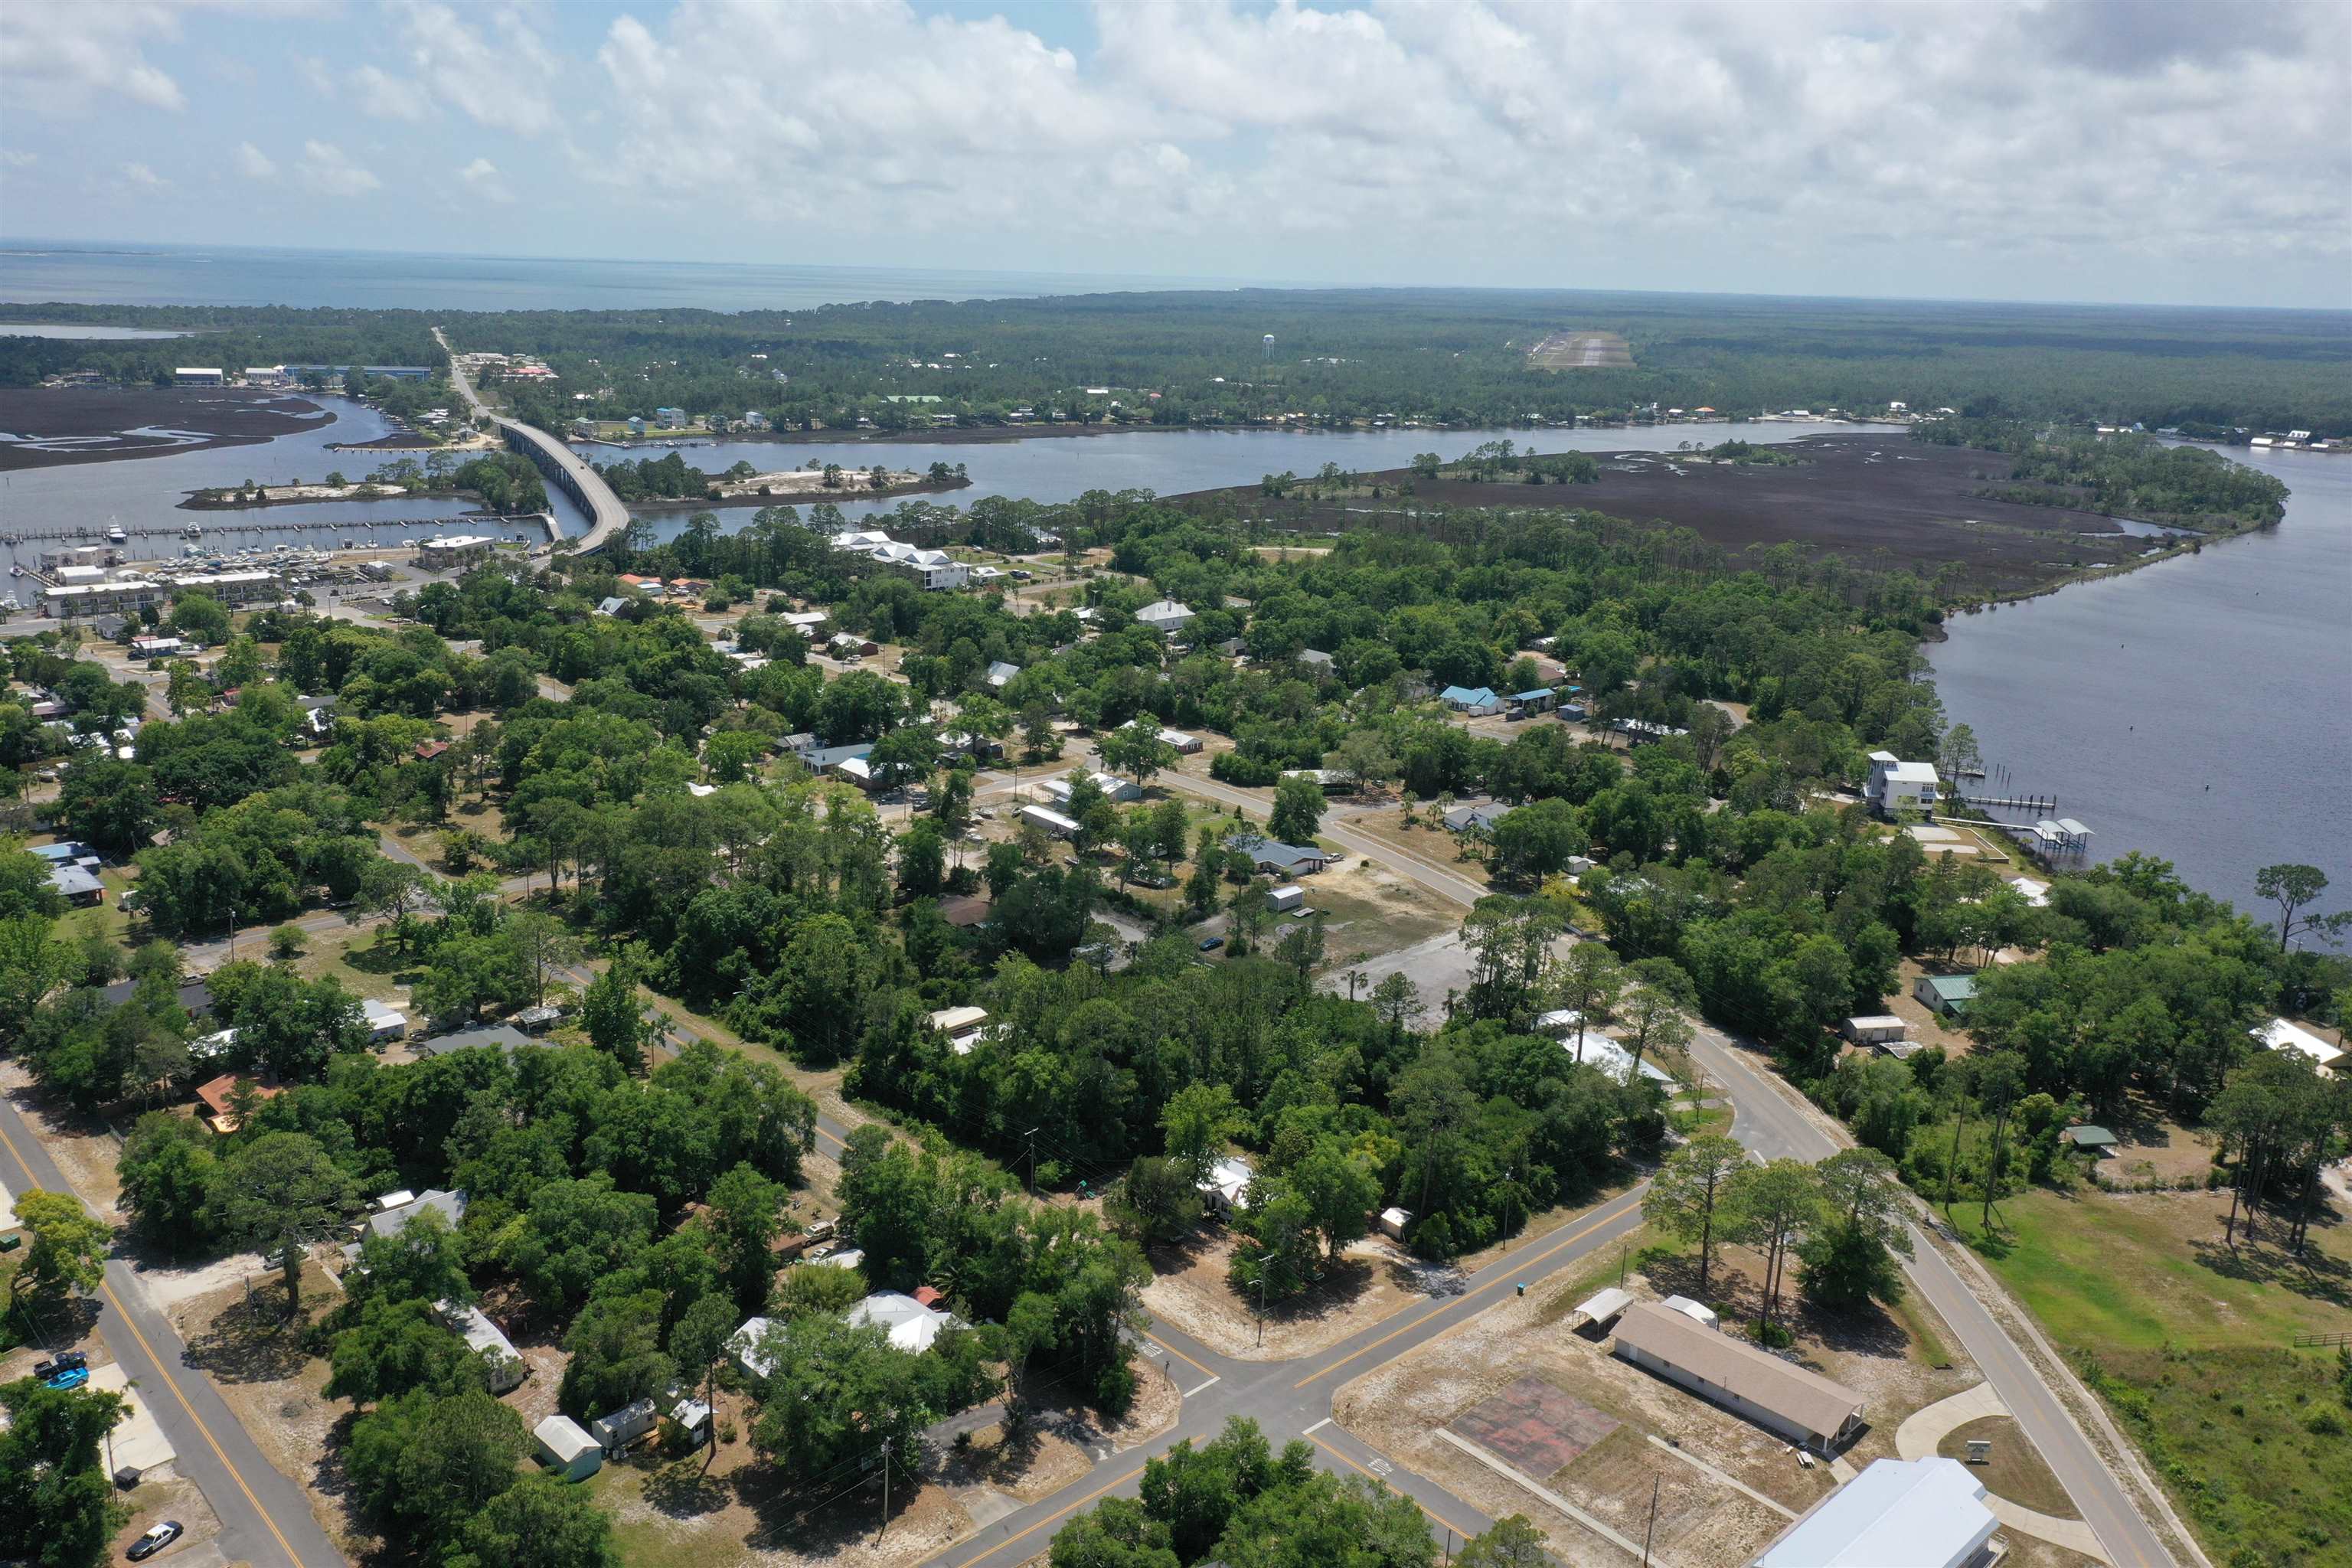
{"x": 265, "y": 1518}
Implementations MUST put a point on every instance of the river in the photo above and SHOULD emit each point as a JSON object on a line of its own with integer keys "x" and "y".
{"x": 144, "y": 495}
{"x": 2194, "y": 709}
{"x": 1166, "y": 462}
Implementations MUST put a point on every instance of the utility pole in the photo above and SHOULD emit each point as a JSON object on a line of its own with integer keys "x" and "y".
{"x": 1032, "y": 1136}
{"x": 1652, "y": 1526}
{"x": 885, "y": 1496}
{"x": 1261, "y": 1264}
{"x": 1621, "y": 1263}
{"x": 1506, "y": 1209}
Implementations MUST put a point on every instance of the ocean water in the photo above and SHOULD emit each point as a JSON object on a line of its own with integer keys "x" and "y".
{"x": 33, "y": 273}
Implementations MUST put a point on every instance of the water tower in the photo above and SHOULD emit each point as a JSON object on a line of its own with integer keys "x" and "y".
{"x": 1269, "y": 348}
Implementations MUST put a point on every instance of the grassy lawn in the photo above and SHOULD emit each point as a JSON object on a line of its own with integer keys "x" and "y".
{"x": 2189, "y": 1341}
{"x": 2108, "y": 1272}
{"x": 2014, "y": 1471}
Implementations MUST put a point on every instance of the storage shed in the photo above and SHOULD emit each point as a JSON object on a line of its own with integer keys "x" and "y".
{"x": 1873, "y": 1028}
{"x": 1393, "y": 1223}
{"x": 572, "y": 1454}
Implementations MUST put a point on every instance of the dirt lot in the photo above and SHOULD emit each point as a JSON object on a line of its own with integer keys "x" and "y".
{"x": 1372, "y": 1279}
{"x": 1912, "y": 503}
{"x": 95, "y": 425}
{"x": 254, "y": 1354}
{"x": 85, "y": 1152}
{"x": 1702, "y": 1517}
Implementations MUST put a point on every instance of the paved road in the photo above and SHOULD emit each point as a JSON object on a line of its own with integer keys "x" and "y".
{"x": 265, "y": 1518}
{"x": 1774, "y": 1124}
{"x": 1292, "y": 1399}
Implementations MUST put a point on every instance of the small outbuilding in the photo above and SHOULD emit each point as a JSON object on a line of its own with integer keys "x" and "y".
{"x": 1284, "y": 899}
{"x": 1945, "y": 996}
{"x": 1394, "y": 1222}
{"x": 1875, "y": 1029}
{"x": 1698, "y": 1312}
{"x": 2097, "y": 1142}
{"x": 1602, "y": 1308}
{"x": 572, "y": 1454}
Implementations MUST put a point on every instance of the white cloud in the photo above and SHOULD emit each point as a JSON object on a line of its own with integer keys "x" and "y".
{"x": 386, "y": 96}
{"x": 61, "y": 58}
{"x": 503, "y": 81}
{"x": 16, "y": 159}
{"x": 316, "y": 73}
{"x": 254, "y": 164}
{"x": 1514, "y": 140}
{"x": 481, "y": 177}
{"x": 326, "y": 170}
{"x": 140, "y": 174}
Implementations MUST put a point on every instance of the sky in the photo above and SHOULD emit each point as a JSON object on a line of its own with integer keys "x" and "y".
{"x": 2144, "y": 151}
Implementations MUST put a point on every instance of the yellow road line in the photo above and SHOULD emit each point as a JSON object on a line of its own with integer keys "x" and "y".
{"x": 1447, "y": 1306}
{"x": 164, "y": 1366}
{"x": 1437, "y": 1518}
{"x": 1051, "y": 1518}
{"x": 1180, "y": 1355}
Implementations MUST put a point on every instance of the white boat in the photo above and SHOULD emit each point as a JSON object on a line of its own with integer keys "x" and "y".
{"x": 116, "y": 536}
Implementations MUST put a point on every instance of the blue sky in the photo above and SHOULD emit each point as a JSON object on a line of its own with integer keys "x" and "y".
{"x": 2190, "y": 152}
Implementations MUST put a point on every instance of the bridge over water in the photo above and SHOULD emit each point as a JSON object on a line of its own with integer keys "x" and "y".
{"x": 563, "y": 468}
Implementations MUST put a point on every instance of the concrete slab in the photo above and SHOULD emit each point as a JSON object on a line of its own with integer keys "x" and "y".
{"x": 139, "y": 1442}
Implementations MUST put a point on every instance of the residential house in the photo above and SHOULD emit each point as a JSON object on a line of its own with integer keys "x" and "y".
{"x": 2278, "y": 1034}
{"x": 394, "y": 1210}
{"x": 78, "y": 886}
{"x": 1897, "y": 786}
{"x": 1001, "y": 673}
{"x": 623, "y": 1427}
{"x": 500, "y": 1036}
{"x": 217, "y": 1093}
{"x": 1479, "y": 818}
{"x": 1945, "y": 996}
{"x": 914, "y": 1326}
{"x": 1897, "y": 1513}
{"x": 1473, "y": 701}
{"x": 1225, "y": 1186}
{"x": 384, "y": 1021}
{"x": 1524, "y": 704}
{"x": 746, "y": 1347}
{"x": 1781, "y": 1396}
{"x": 1278, "y": 858}
{"x": 1113, "y": 787}
{"x": 1165, "y": 616}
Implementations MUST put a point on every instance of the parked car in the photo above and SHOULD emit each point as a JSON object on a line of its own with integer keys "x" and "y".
{"x": 1211, "y": 944}
{"x": 155, "y": 1540}
{"x": 66, "y": 1360}
{"x": 66, "y": 1377}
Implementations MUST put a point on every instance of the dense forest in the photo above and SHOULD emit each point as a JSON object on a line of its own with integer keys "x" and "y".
{"x": 1450, "y": 356}
{"x": 2122, "y": 475}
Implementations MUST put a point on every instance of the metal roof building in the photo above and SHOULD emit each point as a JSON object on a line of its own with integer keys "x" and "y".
{"x": 1898, "y": 1513}
{"x": 1779, "y": 1396}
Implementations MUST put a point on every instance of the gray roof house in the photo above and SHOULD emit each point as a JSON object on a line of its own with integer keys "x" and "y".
{"x": 1781, "y": 1396}
{"x": 1479, "y": 817}
{"x": 501, "y": 1036}
{"x": 1272, "y": 855}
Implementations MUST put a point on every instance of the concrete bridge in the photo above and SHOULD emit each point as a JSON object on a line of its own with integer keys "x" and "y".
{"x": 563, "y": 468}
{"x": 569, "y": 473}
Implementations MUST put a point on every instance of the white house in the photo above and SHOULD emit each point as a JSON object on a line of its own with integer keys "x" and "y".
{"x": 1897, "y": 785}
{"x": 1225, "y": 1185}
{"x": 913, "y": 1326}
{"x": 384, "y": 1021}
{"x": 747, "y": 1348}
{"x": 624, "y": 1426}
{"x": 497, "y": 1353}
{"x": 1113, "y": 787}
{"x": 1165, "y": 616}
{"x": 2278, "y": 1034}
{"x": 1001, "y": 673}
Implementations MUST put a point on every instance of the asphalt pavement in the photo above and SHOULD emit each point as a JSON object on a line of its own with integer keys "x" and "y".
{"x": 265, "y": 1517}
